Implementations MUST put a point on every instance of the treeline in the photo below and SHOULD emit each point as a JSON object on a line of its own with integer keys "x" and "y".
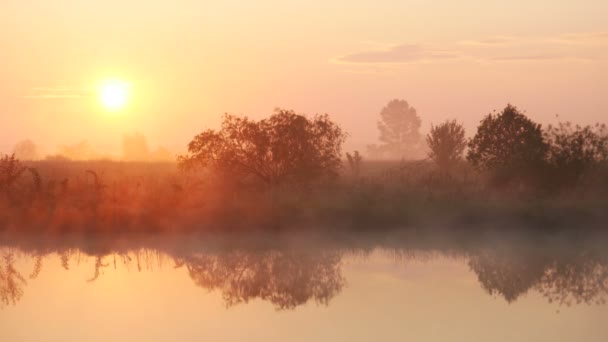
{"x": 515, "y": 151}
{"x": 287, "y": 170}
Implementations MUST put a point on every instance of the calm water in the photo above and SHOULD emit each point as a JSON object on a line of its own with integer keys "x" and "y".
{"x": 498, "y": 288}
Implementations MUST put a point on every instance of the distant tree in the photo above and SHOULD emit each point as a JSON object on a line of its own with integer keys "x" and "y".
{"x": 354, "y": 162}
{"x": 446, "y": 142}
{"x": 162, "y": 154}
{"x": 399, "y": 128}
{"x": 26, "y": 150}
{"x": 78, "y": 151}
{"x": 135, "y": 147}
{"x": 508, "y": 144}
{"x": 284, "y": 148}
{"x": 573, "y": 149}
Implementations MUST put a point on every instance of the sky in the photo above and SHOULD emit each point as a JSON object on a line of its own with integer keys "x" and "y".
{"x": 190, "y": 61}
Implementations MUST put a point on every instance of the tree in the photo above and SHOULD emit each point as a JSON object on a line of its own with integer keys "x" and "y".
{"x": 574, "y": 149}
{"x": 26, "y": 150}
{"x": 508, "y": 144}
{"x": 286, "y": 147}
{"x": 399, "y": 128}
{"x": 78, "y": 151}
{"x": 161, "y": 154}
{"x": 135, "y": 147}
{"x": 447, "y": 144}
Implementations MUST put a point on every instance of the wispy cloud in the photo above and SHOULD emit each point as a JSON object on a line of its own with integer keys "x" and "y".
{"x": 402, "y": 53}
{"x": 539, "y": 57}
{"x": 583, "y": 38}
{"x": 494, "y": 41}
{"x": 56, "y": 93}
{"x": 589, "y": 47}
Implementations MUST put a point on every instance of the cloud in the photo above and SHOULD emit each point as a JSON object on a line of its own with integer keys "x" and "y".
{"x": 539, "y": 57}
{"x": 583, "y": 38}
{"x": 589, "y": 47}
{"x": 494, "y": 41}
{"x": 55, "y": 93}
{"x": 402, "y": 53}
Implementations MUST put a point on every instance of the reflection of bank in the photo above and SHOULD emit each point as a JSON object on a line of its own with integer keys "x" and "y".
{"x": 286, "y": 279}
{"x": 290, "y": 272}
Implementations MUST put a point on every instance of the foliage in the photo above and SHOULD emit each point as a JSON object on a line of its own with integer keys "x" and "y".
{"x": 446, "y": 142}
{"x": 574, "y": 149}
{"x": 10, "y": 170}
{"x": 508, "y": 144}
{"x": 284, "y": 148}
{"x": 399, "y": 128}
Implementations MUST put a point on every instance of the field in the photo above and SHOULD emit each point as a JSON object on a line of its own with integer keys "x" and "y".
{"x": 130, "y": 197}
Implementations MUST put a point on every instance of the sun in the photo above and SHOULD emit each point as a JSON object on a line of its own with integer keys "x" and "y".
{"x": 114, "y": 94}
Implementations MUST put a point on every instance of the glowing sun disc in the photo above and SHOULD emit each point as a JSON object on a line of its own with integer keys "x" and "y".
{"x": 114, "y": 95}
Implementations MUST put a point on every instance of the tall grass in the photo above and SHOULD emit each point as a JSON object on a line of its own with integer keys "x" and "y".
{"x": 105, "y": 196}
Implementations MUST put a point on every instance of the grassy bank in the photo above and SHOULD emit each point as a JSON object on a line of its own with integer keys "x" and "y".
{"x": 106, "y": 196}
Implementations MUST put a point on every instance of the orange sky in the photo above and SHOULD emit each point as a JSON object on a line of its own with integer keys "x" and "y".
{"x": 190, "y": 61}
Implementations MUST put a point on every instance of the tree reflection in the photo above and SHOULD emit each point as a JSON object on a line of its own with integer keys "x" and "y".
{"x": 507, "y": 274}
{"x": 285, "y": 279}
{"x": 565, "y": 279}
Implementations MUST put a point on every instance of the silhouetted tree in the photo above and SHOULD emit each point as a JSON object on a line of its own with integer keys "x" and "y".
{"x": 286, "y": 147}
{"x": 446, "y": 142}
{"x": 508, "y": 144}
{"x": 399, "y": 128}
{"x": 574, "y": 149}
{"x": 26, "y": 150}
{"x": 135, "y": 147}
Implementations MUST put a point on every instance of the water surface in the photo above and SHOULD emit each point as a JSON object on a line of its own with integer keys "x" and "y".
{"x": 298, "y": 288}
